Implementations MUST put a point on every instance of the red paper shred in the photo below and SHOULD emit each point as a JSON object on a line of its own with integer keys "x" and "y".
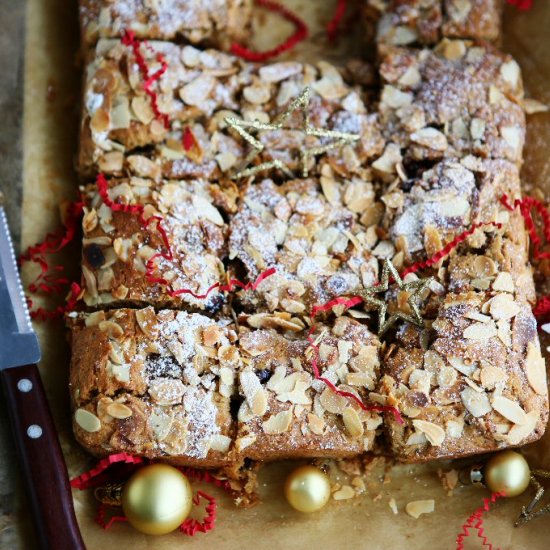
{"x": 86, "y": 480}
{"x": 107, "y": 524}
{"x": 299, "y": 34}
{"x": 51, "y": 280}
{"x": 188, "y": 140}
{"x": 521, "y": 4}
{"x": 229, "y": 287}
{"x": 542, "y": 310}
{"x": 526, "y": 205}
{"x": 475, "y": 521}
{"x": 334, "y": 23}
{"x": 447, "y": 249}
{"x": 129, "y": 39}
{"x": 192, "y": 526}
{"x": 42, "y": 314}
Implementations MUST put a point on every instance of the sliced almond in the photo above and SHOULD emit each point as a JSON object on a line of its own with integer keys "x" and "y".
{"x": 352, "y": 422}
{"x": 316, "y": 424}
{"x": 220, "y": 443}
{"x": 509, "y": 409}
{"x": 431, "y": 138}
{"x": 504, "y": 282}
{"x": 119, "y": 411}
{"x": 88, "y": 421}
{"x": 333, "y": 402}
{"x": 278, "y": 423}
{"x": 345, "y": 493}
{"x": 244, "y": 442}
{"x": 535, "y": 369}
{"x": 519, "y": 432}
{"x": 480, "y": 331}
{"x": 418, "y": 507}
{"x": 206, "y": 210}
{"x": 503, "y": 306}
{"x": 434, "y": 434}
{"x": 477, "y": 403}
{"x": 147, "y": 321}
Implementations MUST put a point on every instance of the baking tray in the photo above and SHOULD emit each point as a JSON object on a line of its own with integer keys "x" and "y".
{"x": 52, "y": 80}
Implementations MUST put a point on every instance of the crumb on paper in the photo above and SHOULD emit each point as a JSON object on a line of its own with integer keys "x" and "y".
{"x": 416, "y": 508}
{"x": 345, "y": 493}
{"x": 393, "y": 506}
{"x": 449, "y": 480}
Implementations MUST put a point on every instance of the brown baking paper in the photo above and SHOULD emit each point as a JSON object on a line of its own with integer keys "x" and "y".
{"x": 51, "y": 98}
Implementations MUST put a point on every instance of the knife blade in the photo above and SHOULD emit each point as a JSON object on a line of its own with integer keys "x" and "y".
{"x": 40, "y": 456}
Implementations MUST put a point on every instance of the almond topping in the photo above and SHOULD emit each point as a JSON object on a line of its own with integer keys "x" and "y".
{"x": 509, "y": 409}
{"x": 118, "y": 410}
{"x": 278, "y": 423}
{"x": 87, "y": 420}
{"x": 535, "y": 369}
{"x": 435, "y": 434}
{"x": 353, "y": 422}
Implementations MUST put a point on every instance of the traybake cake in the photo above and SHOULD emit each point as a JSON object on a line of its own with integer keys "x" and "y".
{"x": 209, "y": 378}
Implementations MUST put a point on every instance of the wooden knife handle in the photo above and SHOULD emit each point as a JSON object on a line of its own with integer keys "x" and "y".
{"x": 41, "y": 460}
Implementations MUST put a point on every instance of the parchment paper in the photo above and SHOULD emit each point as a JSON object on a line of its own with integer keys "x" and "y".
{"x": 51, "y": 99}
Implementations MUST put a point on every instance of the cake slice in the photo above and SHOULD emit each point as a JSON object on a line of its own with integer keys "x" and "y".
{"x": 457, "y": 99}
{"x": 318, "y": 233}
{"x": 126, "y": 261}
{"x": 189, "y": 137}
{"x": 286, "y": 413}
{"x": 426, "y": 22}
{"x": 153, "y": 384}
{"x": 214, "y": 22}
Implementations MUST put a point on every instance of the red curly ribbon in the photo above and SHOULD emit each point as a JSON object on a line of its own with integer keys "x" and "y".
{"x": 334, "y": 23}
{"x": 229, "y": 287}
{"x": 91, "y": 477}
{"x": 98, "y": 475}
{"x": 50, "y": 280}
{"x": 542, "y": 309}
{"x": 521, "y": 4}
{"x": 107, "y": 524}
{"x": 475, "y": 521}
{"x": 299, "y": 34}
{"x": 192, "y": 526}
{"x": 526, "y": 205}
{"x": 129, "y": 39}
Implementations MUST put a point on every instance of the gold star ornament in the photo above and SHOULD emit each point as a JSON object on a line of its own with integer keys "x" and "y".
{"x": 299, "y": 104}
{"x": 416, "y": 288}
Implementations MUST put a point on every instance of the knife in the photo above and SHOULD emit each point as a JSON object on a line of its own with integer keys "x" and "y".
{"x": 33, "y": 429}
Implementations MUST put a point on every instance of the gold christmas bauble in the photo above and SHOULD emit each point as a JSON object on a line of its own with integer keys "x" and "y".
{"x": 307, "y": 489}
{"x": 156, "y": 499}
{"x": 508, "y": 473}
